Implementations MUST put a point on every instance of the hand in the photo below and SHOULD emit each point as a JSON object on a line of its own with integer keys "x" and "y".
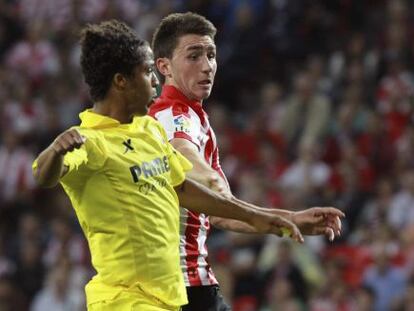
{"x": 269, "y": 223}
{"x": 319, "y": 220}
{"x": 68, "y": 141}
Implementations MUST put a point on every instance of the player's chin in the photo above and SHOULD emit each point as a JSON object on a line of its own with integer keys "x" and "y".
{"x": 203, "y": 94}
{"x": 149, "y": 103}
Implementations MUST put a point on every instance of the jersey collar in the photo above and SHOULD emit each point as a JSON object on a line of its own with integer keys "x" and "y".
{"x": 94, "y": 120}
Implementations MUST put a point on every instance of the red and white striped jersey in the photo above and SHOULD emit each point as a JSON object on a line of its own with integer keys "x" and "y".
{"x": 183, "y": 118}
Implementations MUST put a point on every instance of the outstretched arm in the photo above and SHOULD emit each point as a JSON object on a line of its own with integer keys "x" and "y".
{"x": 205, "y": 175}
{"x": 50, "y": 165}
{"x": 313, "y": 221}
{"x": 200, "y": 199}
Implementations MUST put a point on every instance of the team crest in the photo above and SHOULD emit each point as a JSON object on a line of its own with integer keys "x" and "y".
{"x": 182, "y": 124}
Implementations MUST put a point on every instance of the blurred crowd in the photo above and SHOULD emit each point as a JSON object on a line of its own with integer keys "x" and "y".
{"x": 312, "y": 106}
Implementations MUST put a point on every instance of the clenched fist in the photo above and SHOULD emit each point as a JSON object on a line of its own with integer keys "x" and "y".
{"x": 68, "y": 141}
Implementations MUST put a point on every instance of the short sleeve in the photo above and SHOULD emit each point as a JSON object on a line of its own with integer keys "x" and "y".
{"x": 180, "y": 124}
{"x": 179, "y": 164}
{"x": 90, "y": 157}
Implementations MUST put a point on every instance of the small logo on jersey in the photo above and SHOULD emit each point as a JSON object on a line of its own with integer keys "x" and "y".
{"x": 128, "y": 145}
{"x": 182, "y": 124}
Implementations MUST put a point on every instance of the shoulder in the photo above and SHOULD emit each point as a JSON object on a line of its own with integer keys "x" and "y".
{"x": 151, "y": 125}
{"x": 148, "y": 122}
{"x": 88, "y": 132}
{"x": 170, "y": 106}
{"x": 95, "y": 139}
{"x": 175, "y": 114}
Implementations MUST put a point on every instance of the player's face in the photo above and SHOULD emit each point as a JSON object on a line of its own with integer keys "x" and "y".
{"x": 193, "y": 66}
{"x": 141, "y": 86}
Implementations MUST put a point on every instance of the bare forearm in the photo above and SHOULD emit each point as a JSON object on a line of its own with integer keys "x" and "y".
{"x": 49, "y": 168}
{"x": 242, "y": 227}
{"x": 200, "y": 199}
{"x": 196, "y": 197}
{"x": 275, "y": 211}
{"x": 50, "y": 162}
{"x": 200, "y": 176}
{"x": 280, "y": 212}
{"x": 232, "y": 225}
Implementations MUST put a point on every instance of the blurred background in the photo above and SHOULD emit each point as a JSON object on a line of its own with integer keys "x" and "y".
{"x": 312, "y": 106}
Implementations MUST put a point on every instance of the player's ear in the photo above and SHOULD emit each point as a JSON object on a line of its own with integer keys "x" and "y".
{"x": 163, "y": 66}
{"x": 119, "y": 81}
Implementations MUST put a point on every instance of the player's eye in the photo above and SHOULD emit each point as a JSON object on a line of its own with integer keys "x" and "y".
{"x": 193, "y": 56}
{"x": 211, "y": 55}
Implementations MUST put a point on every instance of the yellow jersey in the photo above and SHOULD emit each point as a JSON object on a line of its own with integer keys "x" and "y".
{"x": 120, "y": 183}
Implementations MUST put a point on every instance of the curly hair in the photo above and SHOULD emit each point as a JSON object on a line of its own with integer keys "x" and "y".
{"x": 106, "y": 49}
{"x": 173, "y": 26}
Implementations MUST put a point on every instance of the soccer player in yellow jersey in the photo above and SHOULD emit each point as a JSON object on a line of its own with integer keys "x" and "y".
{"x": 125, "y": 181}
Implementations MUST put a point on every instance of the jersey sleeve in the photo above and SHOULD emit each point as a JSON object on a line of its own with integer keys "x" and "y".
{"x": 79, "y": 162}
{"x": 179, "y": 164}
{"x": 180, "y": 122}
{"x": 217, "y": 167}
{"x": 90, "y": 156}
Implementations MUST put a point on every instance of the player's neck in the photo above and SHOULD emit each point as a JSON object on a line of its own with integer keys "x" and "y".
{"x": 173, "y": 84}
{"x": 110, "y": 108}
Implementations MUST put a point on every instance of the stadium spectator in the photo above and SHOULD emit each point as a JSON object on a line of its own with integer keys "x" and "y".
{"x": 359, "y": 53}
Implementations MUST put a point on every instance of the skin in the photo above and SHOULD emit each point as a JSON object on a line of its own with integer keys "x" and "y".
{"x": 135, "y": 94}
{"x": 130, "y": 96}
{"x": 192, "y": 69}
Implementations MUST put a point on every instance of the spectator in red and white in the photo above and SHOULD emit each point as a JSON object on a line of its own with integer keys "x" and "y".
{"x": 22, "y": 112}
{"x": 16, "y": 178}
{"x": 394, "y": 95}
{"x": 34, "y": 56}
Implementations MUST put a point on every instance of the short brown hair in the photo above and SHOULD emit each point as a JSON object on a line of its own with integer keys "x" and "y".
{"x": 175, "y": 25}
{"x": 108, "y": 48}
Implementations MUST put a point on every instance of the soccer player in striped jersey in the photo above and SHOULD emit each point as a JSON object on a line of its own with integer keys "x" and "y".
{"x": 185, "y": 56}
{"x": 125, "y": 180}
